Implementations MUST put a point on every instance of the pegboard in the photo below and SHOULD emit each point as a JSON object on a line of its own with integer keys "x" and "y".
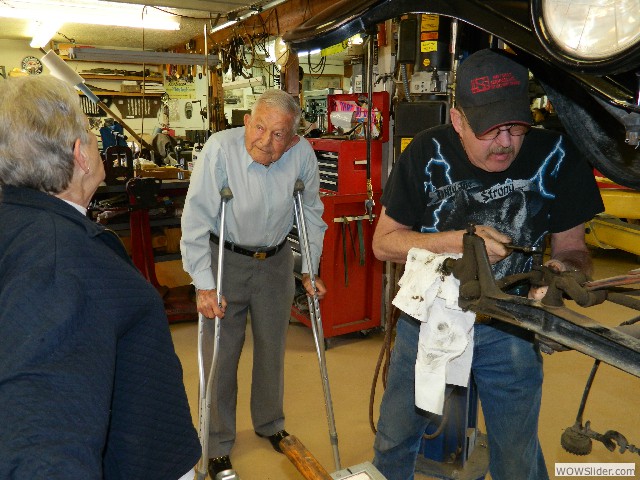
{"x": 90, "y": 109}
{"x": 137, "y": 107}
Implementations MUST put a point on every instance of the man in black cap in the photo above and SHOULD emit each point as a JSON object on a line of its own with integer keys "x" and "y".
{"x": 517, "y": 185}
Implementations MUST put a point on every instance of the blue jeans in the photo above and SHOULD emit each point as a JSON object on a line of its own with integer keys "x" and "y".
{"x": 507, "y": 369}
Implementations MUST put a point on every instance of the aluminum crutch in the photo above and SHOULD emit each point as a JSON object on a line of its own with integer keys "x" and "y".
{"x": 204, "y": 405}
{"x": 316, "y": 319}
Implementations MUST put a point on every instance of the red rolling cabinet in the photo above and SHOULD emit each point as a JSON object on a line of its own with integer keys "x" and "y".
{"x": 343, "y": 164}
{"x": 350, "y": 271}
{"x": 354, "y": 287}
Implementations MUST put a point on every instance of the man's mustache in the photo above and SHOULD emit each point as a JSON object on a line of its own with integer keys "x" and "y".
{"x": 501, "y": 150}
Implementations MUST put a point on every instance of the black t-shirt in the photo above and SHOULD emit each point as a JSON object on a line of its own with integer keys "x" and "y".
{"x": 547, "y": 189}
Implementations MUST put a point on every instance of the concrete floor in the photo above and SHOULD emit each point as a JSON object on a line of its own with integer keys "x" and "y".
{"x": 351, "y": 363}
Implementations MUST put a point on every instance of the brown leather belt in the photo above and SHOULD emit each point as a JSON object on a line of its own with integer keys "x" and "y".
{"x": 259, "y": 254}
{"x": 482, "y": 318}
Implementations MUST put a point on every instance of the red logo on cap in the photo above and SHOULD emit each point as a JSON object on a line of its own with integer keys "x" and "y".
{"x": 500, "y": 80}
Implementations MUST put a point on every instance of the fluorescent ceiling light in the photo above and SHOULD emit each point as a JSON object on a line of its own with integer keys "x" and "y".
{"x": 243, "y": 83}
{"x": 61, "y": 70}
{"x": 91, "y": 12}
{"x": 222, "y": 26}
{"x": 312, "y": 52}
{"x": 235, "y": 17}
{"x": 43, "y": 32}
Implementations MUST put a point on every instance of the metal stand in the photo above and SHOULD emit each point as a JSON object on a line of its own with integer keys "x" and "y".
{"x": 316, "y": 319}
{"x": 456, "y": 449}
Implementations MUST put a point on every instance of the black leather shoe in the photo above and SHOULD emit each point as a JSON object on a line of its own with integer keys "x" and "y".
{"x": 219, "y": 464}
{"x": 275, "y": 439}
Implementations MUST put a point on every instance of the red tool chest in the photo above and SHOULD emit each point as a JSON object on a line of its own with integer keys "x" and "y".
{"x": 343, "y": 164}
{"x": 354, "y": 290}
{"x": 350, "y": 271}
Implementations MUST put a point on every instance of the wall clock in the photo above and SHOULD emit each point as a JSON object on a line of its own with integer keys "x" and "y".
{"x": 32, "y": 65}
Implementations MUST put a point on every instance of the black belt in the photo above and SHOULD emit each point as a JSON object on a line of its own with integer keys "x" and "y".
{"x": 260, "y": 254}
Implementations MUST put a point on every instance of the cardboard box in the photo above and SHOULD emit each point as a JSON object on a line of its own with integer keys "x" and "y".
{"x": 130, "y": 88}
{"x": 63, "y": 48}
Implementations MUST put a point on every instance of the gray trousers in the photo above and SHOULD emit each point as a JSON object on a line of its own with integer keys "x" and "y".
{"x": 265, "y": 290}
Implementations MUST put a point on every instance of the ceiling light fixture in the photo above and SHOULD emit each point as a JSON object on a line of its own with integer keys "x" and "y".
{"x": 43, "y": 32}
{"x": 64, "y": 72}
{"x": 234, "y": 18}
{"x": 310, "y": 52}
{"x": 91, "y": 12}
{"x": 61, "y": 70}
{"x": 243, "y": 83}
{"x": 222, "y": 26}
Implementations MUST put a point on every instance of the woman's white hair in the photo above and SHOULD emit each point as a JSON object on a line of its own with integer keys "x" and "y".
{"x": 40, "y": 120}
{"x": 284, "y": 102}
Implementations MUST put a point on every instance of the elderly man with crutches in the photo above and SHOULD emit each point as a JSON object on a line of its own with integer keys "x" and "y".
{"x": 260, "y": 163}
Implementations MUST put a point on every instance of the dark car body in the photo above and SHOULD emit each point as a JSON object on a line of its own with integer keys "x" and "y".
{"x": 596, "y": 101}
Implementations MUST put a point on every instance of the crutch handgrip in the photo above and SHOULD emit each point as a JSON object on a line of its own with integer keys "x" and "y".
{"x": 298, "y": 187}
{"x": 225, "y": 194}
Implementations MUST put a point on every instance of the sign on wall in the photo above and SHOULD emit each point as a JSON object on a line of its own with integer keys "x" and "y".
{"x": 180, "y": 89}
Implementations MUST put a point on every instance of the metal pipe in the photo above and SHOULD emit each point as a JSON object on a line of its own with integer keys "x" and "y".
{"x": 61, "y": 70}
{"x": 369, "y": 203}
{"x": 454, "y": 56}
{"x": 206, "y": 74}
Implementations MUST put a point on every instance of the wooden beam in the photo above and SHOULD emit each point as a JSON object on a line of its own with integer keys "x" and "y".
{"x": 273, "y": 22}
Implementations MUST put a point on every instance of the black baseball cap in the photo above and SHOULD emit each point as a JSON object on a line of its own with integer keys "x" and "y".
{"x": 492, "y": 90}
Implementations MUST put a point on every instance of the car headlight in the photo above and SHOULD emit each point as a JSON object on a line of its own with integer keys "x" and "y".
{"x": 587, "y": 32}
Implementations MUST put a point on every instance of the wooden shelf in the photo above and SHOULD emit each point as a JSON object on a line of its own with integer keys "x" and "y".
{"x": 97, "y": 76}
{"x": 107, "y": 93}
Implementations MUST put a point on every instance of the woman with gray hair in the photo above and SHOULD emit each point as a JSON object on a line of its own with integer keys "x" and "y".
{"x": 90, "y": 385}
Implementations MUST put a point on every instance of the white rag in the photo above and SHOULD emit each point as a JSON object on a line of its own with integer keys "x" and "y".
{"x": 445, "y": 345}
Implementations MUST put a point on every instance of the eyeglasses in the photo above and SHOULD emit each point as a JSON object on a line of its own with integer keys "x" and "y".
{"x": 516, "y": 130}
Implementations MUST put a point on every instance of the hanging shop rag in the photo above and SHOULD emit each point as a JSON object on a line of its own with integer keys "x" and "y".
{"x": 445, "y": 345}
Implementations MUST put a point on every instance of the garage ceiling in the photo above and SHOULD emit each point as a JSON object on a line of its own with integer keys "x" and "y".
{"x": 194, "y": 15}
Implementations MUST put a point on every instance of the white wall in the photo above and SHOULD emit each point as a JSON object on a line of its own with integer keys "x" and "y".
{"x": 13, "y": 51}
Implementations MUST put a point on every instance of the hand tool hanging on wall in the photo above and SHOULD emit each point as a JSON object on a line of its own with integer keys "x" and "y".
{"x": 346, "y": 228}
{"x": 316, "y": 319}
{"x": 204, "y": 404}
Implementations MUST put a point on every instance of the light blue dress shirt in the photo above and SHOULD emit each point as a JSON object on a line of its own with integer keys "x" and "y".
{"x": 261, "y": 212}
